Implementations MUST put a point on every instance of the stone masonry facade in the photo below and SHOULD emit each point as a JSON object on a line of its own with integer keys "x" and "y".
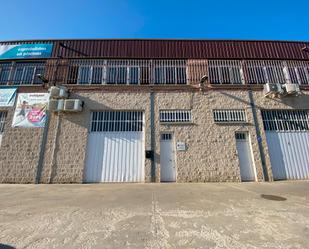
{"x": 211, "y": 154}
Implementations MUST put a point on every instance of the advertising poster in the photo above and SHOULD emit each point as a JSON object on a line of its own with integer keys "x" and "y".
{"x": 26, "y": 51}
{"x": 30, "y": 110}
{"x": 7, "y": 96}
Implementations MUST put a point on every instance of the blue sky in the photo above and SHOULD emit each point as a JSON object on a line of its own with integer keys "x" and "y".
{"x": 221, "y": 19}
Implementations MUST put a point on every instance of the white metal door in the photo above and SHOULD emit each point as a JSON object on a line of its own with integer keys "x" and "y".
{"x": 245, "y": 156}
{"x": 289, "y": 154}
{"x": 167, "y": 158}
{"x": 287, "y": 135}
{"x": 115, "y": 151}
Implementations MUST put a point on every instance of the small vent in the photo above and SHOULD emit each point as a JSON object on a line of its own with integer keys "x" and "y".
{"x": 229, "y": 116}
{"x": 240, "y": 136}
{"x": 175, "y": 116}
{"x": 166, "y": 136}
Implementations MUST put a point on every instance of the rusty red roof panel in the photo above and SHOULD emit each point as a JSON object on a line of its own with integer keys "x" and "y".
{"x": 175, "y": 49}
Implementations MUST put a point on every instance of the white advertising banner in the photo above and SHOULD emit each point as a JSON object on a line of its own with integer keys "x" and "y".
{"x": 30, "y": 110}
{"x": 7, "y": 96}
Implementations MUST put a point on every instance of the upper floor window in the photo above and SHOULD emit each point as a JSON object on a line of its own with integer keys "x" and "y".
{"x": 21, "y": 73}
{"x": 170, "y": 72}
{"x": 261, "y": 72}
{"x": 298, "y": 72}
{"x": 258, "y": 72}
{"x": 130, "y": 72}
{"x": 225, "y": 72}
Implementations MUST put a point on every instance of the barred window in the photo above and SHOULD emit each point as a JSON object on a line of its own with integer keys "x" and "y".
{"x": 285, "y": 120}
{"x": 229, "y": 116}
{"x": 170, "y": 72}
{"x": 2, "y": 121}
{"x": 21, "y": 73}
{"x": 116, "y": 121}
{"x": 166, "y": 136}
{"x": 5, "y": 69}
{"x": 261, "y": 72}
{"x": 298, "y": 72}
{"x": 175, "y": 116}
{"x": 225, "y": 72}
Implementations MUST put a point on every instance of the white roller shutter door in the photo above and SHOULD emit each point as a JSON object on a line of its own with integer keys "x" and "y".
{"x": 287, "y": 134}
{"x": 115, "y": 151}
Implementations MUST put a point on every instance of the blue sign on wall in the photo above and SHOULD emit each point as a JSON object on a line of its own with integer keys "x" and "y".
{"x": 26, "y": 51}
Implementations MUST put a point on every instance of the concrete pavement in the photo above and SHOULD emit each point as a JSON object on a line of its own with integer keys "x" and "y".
{"x": 213, "y": 215}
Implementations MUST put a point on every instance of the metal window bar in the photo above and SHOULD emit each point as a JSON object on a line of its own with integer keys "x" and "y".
{"x": 21, "y": 73}
{"x": 175, "y": 116}
{"x": 99, "y": 71}
{"x": 225, "y": 72}
{"x": 166, "y": 136}
{"x": 241, "y": 136}
{"x": 116, "y": 121}
{"x": 2, "y": 121}
{"x": 285, "y": 120}
{"x": 229, "y": 116}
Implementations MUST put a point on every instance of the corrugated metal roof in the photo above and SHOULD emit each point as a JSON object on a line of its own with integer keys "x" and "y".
{"x": 175, "y": 49}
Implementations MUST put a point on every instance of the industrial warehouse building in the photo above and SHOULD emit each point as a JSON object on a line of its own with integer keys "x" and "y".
{"x": 153, "y": 111}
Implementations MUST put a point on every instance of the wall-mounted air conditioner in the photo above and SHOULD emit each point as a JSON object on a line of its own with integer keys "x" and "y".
{"x": 58, "y": 92}
{"x": 292, "y": 89}
{"x": 55, "y": 105}
{"x": 272, "y": 90}
{"x": 73, "y": 105}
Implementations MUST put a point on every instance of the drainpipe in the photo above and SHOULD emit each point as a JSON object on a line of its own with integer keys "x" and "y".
{"x": 53, "y": 157}
{"x": 258, "y": 134}
{"x": 42, "y": 148}
{"x": 152, "y": 137}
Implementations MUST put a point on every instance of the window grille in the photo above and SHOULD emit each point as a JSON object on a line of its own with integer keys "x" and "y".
{"x": 261, "y": 71}
{"x": 285, "y": 120}
{"x": 166, "y": 136}
{"x": 130, "y": 72}
{"x": 2, "y": 121}
{"x": 21, "y": 73}
{"x": 5, "y": 69}
{"x": 298, "y": 72}
{"x": 170, "y": 72}
{"x": 175, "y": 116}
{"x": 225, "y": 72}
{"x": 258, "y": 72}
{"x": 229, "y": 116}
{"x": 241, "y": 136}
{"x": 116, "y": 121}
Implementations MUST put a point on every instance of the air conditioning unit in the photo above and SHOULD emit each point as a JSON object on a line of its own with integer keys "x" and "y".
{"x": 73, "y": 105}
{"x": 55, "y": 105}
{"x": 58, "y": 92}
{"x": 272, "y": 90}
{"x": 292, "y": 89}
